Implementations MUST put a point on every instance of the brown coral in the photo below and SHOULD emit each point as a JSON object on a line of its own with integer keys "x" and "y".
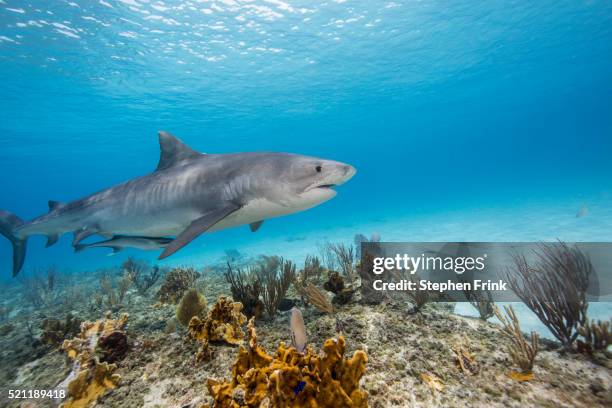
{"x": 334, "y": 283}
{"x": 292, "y": 379}
{"x": 222, "y": 324}
{"x": 596, "y": 334}
{"x": 315, "y": 297}
{"x": 246, "y": 288}
{"x": 91, "y": 378}
{"x": 522, "y": 352}
{"x": 177, "y": 281}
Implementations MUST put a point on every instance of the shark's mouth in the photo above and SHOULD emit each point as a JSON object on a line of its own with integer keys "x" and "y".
{"x": 326, "y": 186}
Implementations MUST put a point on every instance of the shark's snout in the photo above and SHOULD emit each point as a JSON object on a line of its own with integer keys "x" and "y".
{"x": 345, "y": 173}
{"x": 349, "y": 171}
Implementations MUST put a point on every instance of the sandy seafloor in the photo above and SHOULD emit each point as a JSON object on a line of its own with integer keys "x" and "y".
{"x": 160, "y": 369}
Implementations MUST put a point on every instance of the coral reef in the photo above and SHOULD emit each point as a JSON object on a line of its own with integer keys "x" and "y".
{"x": 521, "y": 351}
{"x": 246, "y": 288}
{"x": 418, "y": 297}
{"x": 482, "y": 300}
{"x": 292, "y": 379}
{"x": 90, "y": 384}
{"x": 313, "y": 270}
{"x": 314, "y": 296}
{"x": 368, "y": 294}
{"x": 597, "y": 336}
{"x": 223, "y": 323}
{"x": 344, "y": 296}
{"x": 275, "y": 275}
{"x": 555, "y": 288}
{"x": 39, "y": 289}
{"x": 176, "y": 282}
{"x": 54, "y": 331}
{"x": 141, "y": 279}
{"x": 335, "y": 283}
{"x": 192, "y": 304}
{"x": 112, "y": 294}
{"x": 345, "y": 259}
{"x": 98, "y": 344}
{"x": 430, "y": 359}
{"x": 465, "y": 360}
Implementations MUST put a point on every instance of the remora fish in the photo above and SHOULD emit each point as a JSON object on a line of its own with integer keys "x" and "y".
{"x": 298, "y": 330}
{"x": 119, "y": 242}
{"x": 189, "y": 193}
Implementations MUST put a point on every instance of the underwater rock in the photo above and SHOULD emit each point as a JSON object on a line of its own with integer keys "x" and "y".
{"x": 177, "y": 281}
{"x": 334, "y": 283}
{"x": 222, "y": 324}
{"x": 292, "y": 379}
{"x": 192, "y": 304}
{"x": 91, "y": 377}
{"x": 54, "y": 331}
{"x": 6, "y": 329}
{"x": 344, "y": 296}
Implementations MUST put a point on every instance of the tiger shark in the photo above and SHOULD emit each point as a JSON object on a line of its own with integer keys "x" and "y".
{"x": 189, "y": 193}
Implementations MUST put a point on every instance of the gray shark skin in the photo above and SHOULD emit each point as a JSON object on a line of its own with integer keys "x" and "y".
{"x": 120, "y": 242}
{"x": 188, "y": 194}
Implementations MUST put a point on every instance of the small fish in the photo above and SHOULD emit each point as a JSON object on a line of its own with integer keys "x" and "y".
{"x": 299, "y": 387}
{"x": 298, "y": 330}
{"x": 583, "y": 211}
{"x": 119, "y": 242}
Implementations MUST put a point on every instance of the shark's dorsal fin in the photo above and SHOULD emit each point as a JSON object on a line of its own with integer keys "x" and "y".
{"x": 54, "y": 205}
{"x": 173, "y": 151}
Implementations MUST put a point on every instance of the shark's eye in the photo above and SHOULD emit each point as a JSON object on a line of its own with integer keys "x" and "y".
{"x": 318, "y": 169}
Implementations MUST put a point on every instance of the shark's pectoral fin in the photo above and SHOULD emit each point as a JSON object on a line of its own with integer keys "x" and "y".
{"x": 254, "y": 226}
{"x": 51, "y": 240}
{"x": 198, "y": 227}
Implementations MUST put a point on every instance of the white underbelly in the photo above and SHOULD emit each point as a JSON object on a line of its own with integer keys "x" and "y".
{"x": 255, "y": 210}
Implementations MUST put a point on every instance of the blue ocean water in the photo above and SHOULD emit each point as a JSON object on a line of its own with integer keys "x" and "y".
{"x": 466, "y": 120}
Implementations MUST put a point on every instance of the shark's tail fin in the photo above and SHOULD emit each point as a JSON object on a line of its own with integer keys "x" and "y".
{"x": 8, "y": 223}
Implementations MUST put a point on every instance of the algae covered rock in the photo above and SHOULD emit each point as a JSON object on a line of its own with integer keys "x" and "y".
{"x": 192, "y": 304}
{"x": 292, "y": 379}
